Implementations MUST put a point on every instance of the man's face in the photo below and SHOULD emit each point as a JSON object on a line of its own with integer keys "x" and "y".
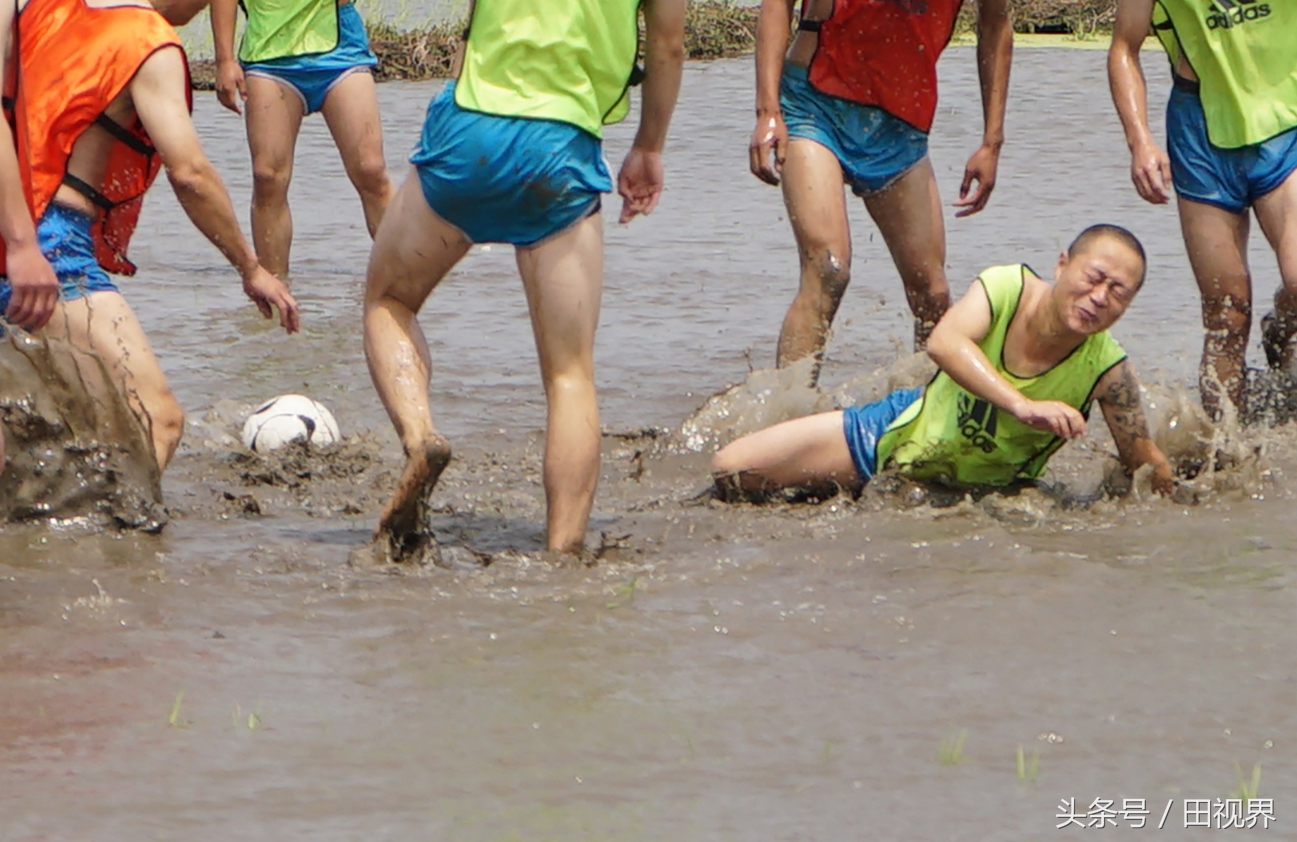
{"x": 180, "y": 12}
{"x": 1093, "y": 288}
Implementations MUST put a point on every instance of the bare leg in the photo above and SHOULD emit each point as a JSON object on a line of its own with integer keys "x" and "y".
{"x": 805, "y": 452}
{"x": 351, "y": 112}
{"x": 103, "y": 323}
{"x": 908, "y": 213}
{"x": 563, "y": 278}
{"x": 813, "y": 195}
{"x": 413, "y": 251}
{"x": 1276, "y": 211}
{"x": 274, "y": 116}
{"x": 1217, "y": 244}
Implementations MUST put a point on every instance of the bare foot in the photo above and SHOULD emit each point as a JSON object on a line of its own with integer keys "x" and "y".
{"x": 401, "y": 524}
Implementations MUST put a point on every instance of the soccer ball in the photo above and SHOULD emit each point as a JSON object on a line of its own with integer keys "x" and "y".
{"x": 289, "y": 418}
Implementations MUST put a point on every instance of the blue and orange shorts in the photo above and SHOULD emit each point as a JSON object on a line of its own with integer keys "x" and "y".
{"x": 873, "y": 147}
{"x": 312, "y": 77}
{"x": 511, "y": 180}
{"x": 1232, "y": 179}
{"x": 65, "y": 238}
{"x": 864, "y": 426}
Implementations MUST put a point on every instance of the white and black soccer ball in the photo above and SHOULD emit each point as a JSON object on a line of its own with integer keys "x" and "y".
{"x": 289, "y": 418}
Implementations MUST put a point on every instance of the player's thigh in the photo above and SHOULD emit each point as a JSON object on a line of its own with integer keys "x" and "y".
{"x": 815, "y": 200}
{"x": 908, "y": 215}
{"x": 1276, "y": 212}
{"x": 104, "y": 324}
{"x": 273, "y": 114}
{"x": 351, "y": 112}
{"x": 413, "y": 248}
{"x": 1216, "y": 242}
{"x": 802, "y": 451}
{"x": 563, "y": 279}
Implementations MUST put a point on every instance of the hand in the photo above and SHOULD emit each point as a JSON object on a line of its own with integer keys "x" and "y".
{"x": 1150, "y": 169}
{"x": 230, "y": 86}
{"x": 981, "y": 167}
{"x": 640, "y": 183}
{"x": 266, "y": 290}
{"x": 35, "y": 288}
{"x": 768, "y": 147}
{"x": 1053, "y": 417}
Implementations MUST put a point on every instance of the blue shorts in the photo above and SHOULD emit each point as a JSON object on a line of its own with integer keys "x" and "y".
{"x": 1232, "y": 179}
{"x": 312, "y": 77}
{"x": 865, "y": 425}
{"x": 507, "y": 179}
{"x": 65, "y": 240}
{"x": 873, "y": 147}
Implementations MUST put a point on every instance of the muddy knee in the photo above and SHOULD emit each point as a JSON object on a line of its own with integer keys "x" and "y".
{"x": 168, "y": 423}
{"x": 370, "y": 177}
{"x": 825, "y": 277}
{"x": 269, "y": 182}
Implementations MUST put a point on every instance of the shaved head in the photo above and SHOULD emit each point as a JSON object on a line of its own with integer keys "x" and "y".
{"x": 1105, "y": 230}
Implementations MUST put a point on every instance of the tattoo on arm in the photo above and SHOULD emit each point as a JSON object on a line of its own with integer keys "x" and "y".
{"x": 1124, "y": 411}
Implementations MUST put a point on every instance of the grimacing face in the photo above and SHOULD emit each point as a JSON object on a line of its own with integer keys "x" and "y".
{"x": 1093, "y": 288}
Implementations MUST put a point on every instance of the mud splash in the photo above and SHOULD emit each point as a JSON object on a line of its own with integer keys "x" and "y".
{"x": 1211, "y": 459}
{"x": 76, "y": 450}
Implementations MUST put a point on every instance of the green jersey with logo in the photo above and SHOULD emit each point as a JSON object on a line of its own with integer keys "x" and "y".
{"x": 1244, "y": 53}
{"x": 565, "y": 60}
{"x": 950, "y": 435}
{"x": 283, "y": 28}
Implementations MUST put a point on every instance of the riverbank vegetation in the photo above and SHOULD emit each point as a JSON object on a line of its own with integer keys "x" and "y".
{"x": 713, "y": 29}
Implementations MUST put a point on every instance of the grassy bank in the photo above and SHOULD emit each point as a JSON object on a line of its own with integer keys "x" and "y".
{"x": 713, "y": 29}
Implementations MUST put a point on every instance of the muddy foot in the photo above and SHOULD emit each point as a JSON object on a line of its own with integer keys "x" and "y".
{"x": 572, "y": 557}
{"x": 403, "y": 516}
{"x": 385, "y": 552}
{"x": 1278, "y": 348}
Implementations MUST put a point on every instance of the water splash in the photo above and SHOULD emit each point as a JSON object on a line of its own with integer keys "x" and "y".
{"x": 75, "y": 447}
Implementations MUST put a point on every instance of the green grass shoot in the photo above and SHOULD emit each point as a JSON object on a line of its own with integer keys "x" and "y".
{"x": 952, "y": 749}
{"x": 174, "y": 719}
{"x": 1027, "y": 769}
{"x": 1246, "y": 789}
{"x": 625, "y": 595}
{"x": 236, "y": 718}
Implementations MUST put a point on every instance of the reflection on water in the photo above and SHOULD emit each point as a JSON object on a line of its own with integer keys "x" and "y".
{"x": 725, "y": 672}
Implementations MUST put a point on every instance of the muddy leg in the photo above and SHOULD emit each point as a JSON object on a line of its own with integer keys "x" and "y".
{"x": 273, "y": 117}
{"x": 563, "y": 278}
{"x": 1217, "y": 244}
{"x": 1276, "y": 211}
{"x": 103, "y": 323}
{"x": 908, "y": 214}
{"x": 351, "y": 112}
{"x": 413, "y": 251}
{"x": 809, "y": 452}
{"x": 813, "y": 195}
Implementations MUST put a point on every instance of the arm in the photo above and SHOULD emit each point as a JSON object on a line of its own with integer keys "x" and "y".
{"x": 770, "y": 137}
{"x": 159, "y": 97}
{"x": 994, "y": 55}
{"x": 954, "y": 347}
{"x": 229, "y": 74}
{"x": 641, "y": 177}
{"x": 1118, "y": 395}
{"x": 32, "y": 279}
{"x": 1150, "y": 168}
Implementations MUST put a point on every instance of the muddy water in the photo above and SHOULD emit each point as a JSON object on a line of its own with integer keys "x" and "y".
{"x": 724, "y": 673}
